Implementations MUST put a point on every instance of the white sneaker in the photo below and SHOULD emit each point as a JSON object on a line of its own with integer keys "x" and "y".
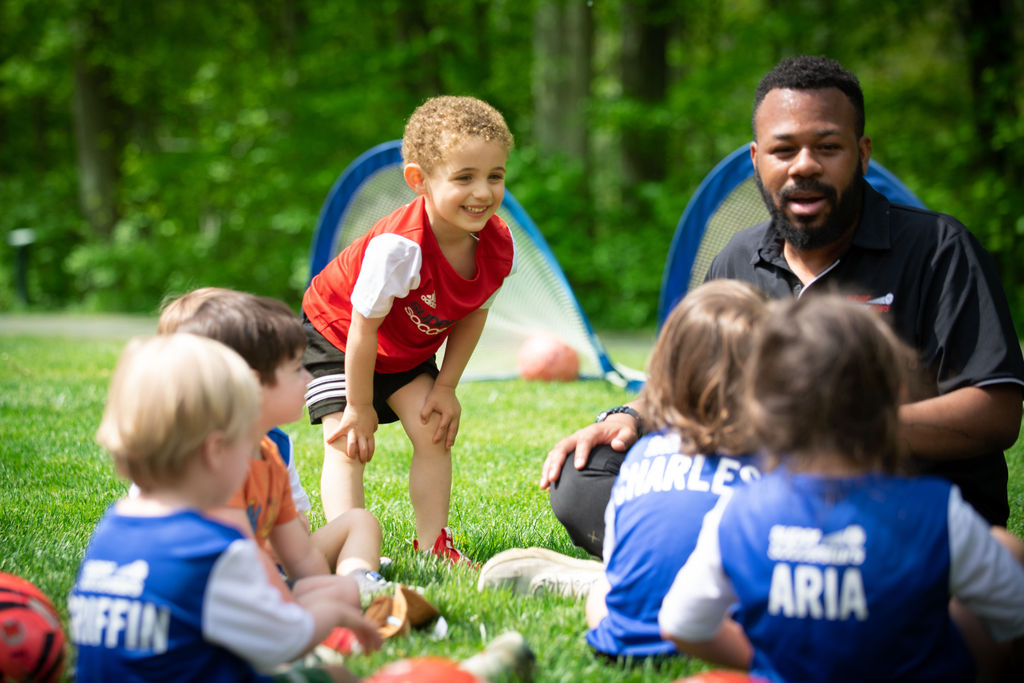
{"x": 370, "y": 583}
{"x": 517, "y": 569}
{"x": 570, "y": 584}
{"x": 506, "y": 658}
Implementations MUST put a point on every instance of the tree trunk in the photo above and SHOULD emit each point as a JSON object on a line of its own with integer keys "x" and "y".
{"x": 645, "y": 34}
{"x": 97, "y": 140}
{"x": 421, "y": 70}
{"x": 990, "y": 29}
{"x": 562, "y": 46}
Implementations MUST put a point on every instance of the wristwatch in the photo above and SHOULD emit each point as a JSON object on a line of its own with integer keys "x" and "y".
{"x": 603, "y": 415}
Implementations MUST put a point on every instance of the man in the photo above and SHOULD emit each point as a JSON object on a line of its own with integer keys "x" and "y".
{"x": 829, "y": 230}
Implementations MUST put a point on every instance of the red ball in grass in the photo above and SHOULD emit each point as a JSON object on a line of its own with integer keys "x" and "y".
{"x": 721, "y": 676}
{"x": 422, "y": 670}
{"x": 31, "y": 637}
{"x": 543, "y": 356}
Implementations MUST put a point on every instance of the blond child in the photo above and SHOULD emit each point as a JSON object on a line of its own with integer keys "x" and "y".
{"x": 836, "y": 567}
{"x": 376, "y": 315}
{"x": 269, "y": 336}
{"x": 166, "y": 592}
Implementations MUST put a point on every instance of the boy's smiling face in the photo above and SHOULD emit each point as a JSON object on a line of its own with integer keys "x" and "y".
{"x": 283, "y": 401}
{"x": 465, "y": 189}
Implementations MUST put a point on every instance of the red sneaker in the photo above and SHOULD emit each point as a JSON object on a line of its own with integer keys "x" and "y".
{"x": 444, "y": 547}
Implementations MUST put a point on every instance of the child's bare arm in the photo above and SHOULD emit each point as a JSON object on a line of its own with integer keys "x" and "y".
{"x": 729, "y": 647}
{"x": 296, "y": 551}
{"x": 359, "y": 421}
{"x": 461, "y": 341}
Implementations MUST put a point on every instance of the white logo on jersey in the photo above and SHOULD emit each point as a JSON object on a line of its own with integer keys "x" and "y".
{"x": 664, "y": 468}
{"x": 833, "y": 592}
{"x": 885, "y": 300}
{"x": 430, "y": 299}
{"x": 102, "y": 576}
{"x": 117, "y": 621}
{"x": 807, "y": 591}
{"x": 807, "y": 544}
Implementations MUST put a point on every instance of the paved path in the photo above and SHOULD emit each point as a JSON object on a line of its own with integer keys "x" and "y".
{"x": 77, "y": 326}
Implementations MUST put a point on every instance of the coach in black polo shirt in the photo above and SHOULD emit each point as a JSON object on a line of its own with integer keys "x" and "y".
{"x": 830, "y": 230}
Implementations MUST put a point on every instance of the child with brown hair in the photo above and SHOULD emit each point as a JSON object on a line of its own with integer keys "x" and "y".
{"x": 269, "y": 336}
{"x": 698, "y": 450}
{"x": 166, "y": 592}
{"x": 836, "y": 567}
{"x": 376, "y": 315}
{"x": 179, "y": 309}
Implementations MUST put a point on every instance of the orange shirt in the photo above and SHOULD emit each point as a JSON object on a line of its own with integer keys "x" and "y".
{"x": 266, "y": 495}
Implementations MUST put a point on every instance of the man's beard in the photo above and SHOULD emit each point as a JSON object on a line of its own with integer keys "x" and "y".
{"x": 844, "y": 211}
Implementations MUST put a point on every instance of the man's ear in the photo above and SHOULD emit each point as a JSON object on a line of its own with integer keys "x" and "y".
{"x": 864, "y": 149}
{"x": 415, "y": 178}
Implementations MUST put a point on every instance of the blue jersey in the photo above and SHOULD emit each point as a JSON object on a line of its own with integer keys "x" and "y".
{"x": 283, "y": 443}
{"x": 178, "y": 597}
{"x": 287, "y": 451}
{"x": 653, "y": 518}
{"x": 847, "y": 579}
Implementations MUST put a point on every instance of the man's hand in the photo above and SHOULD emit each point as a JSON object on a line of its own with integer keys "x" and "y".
{"x": 442, "y": 400}
{"x": 619, "y": 431}
{"x": 358, "y": 423}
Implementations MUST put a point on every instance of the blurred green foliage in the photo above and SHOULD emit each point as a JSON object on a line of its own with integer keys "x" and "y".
{"x": 229, "y": 122}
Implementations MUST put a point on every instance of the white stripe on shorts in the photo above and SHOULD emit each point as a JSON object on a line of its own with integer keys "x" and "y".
{"x": 325, "y": 388}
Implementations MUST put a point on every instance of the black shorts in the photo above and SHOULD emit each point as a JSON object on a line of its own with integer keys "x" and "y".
{"x": 326, "y": 393}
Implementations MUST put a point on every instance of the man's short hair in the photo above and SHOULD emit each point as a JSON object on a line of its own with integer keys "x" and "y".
{"x": 168, "y": 394}
{"x": 812, "y": 73}
{"x": 440, "y": 124}
{"x": 264, "y": 331}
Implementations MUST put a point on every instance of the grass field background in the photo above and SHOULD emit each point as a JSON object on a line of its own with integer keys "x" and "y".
{"x": 55, "y": 482}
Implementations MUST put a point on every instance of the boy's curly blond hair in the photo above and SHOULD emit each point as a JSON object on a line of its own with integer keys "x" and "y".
{"x": 441, "y": 123}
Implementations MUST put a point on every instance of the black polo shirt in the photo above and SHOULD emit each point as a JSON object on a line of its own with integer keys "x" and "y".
{"x": 936, "y": 286}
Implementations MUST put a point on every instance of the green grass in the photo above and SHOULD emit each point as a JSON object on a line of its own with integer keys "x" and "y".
{"x": 55, "y": 482}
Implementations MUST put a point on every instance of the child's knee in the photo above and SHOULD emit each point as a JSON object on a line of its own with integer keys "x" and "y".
{"x": 422, "y": 438}
{"x": 364, "y": 520}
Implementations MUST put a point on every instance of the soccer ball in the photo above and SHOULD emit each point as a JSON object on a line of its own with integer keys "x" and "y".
{"x": 543, "y": 356}
{"x": 31, "y": 637}
{"x": 423, "y": 670}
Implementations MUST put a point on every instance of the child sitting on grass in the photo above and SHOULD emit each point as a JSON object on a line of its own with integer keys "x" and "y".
{"x": 174, "y": 312}
{"x": 269, "y": 336}
{"x": 166, "y": 592}
{"x": 377, "y": 314}
{"x": 837, "y": 568}
{"x": 697, "y": 450}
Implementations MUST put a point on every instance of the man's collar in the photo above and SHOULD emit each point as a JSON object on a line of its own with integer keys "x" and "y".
{"x": 872, "y": 231}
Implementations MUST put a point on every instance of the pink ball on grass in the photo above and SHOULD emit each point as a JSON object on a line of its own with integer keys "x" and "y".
{"x": 543, "y": 356}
